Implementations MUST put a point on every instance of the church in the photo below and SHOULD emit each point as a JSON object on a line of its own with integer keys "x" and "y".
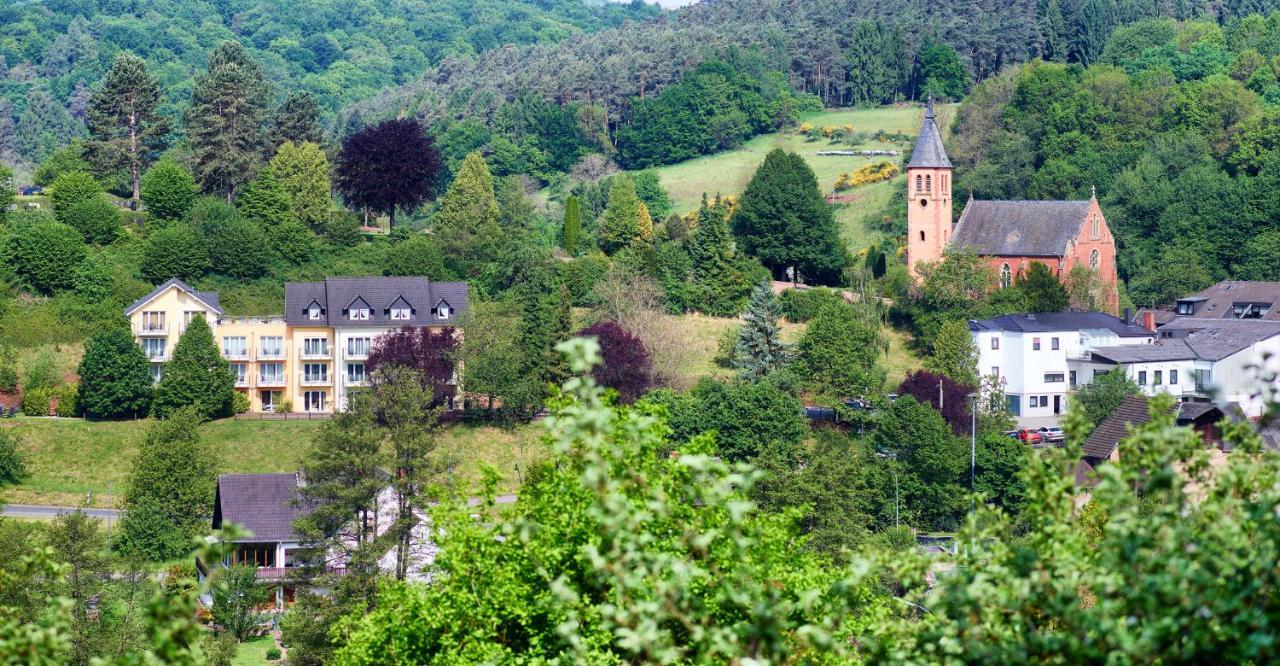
{"x": 1008, "y": 235}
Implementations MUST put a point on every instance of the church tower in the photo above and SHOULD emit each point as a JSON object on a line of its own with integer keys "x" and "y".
{"x": 928, "y": 196}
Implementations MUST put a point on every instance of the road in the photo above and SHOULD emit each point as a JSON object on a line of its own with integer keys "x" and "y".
{"x": 39, "y": 511}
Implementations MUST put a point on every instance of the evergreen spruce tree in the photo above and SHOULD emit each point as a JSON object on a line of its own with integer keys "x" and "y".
{"x": 168, "y": 190}
{"x": 302, "y": 170}
{"x": 127, "y": 131}
{"x": 114, "y": 377}
{"x": 225, "y": 120}
{"x": 572, "y": 235}
{"x": 43, "y": 127}
{"x": 196, "y": 377}
{"x": 546, "y": 321}
{"x": 954, "y": 354}
{"x": 760, "y": 350}
{"x": 783, "y": 220}
{"x": 719, "y": 283}
{"x": 620, "y": 224}
{"x": 169, "y": 496}
{"x": 644, "y": 223}
{"x": 466, "y": 226}
{"x": 1041, "y": 290}
{"x": 298, "y": 120}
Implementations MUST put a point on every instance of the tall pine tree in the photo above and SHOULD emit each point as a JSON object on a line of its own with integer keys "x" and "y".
{"x": 620, "y": 224}
{"x": 225, "y": 120}
{"x": 297, "y": 119}
{"x": 761, "y": 351}
{"x": 126, "y": 129}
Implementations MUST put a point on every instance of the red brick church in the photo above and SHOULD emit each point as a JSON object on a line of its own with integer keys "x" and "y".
{"x": 1009, "y": 235}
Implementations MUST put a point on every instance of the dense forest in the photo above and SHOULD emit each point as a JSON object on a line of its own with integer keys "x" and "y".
{"x": 51, "y": 53}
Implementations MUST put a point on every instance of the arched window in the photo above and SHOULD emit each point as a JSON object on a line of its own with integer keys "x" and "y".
{"x": 1094, "y": 259}
{"x": 1096, "y": 227}
{"x": 918, "y": 181}
{"x": 1006, "y": 276}
{"x": 928, "y": 183}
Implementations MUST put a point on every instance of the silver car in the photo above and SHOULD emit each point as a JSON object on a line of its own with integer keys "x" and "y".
{"x": 1052, "y": 434}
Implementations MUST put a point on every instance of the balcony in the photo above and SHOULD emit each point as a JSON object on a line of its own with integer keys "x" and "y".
{"x": 355, "y": 380}
{"x": 314, "y": 380}
{"x": 313, "y": 353}
{"x": 271, "y": 381}
{"x": 271, "y": 354}
{"x": 236, "y": 354}
{"x": 242, "y": 382}
{"x": 357, "y": 354}
{"x": 151, "y": 330}
{"x": 157, "y": 357}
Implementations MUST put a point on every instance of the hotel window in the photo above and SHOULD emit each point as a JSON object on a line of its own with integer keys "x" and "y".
{"x": 1054, "y": 344}
{"x": 1035, "y": 401}
{"x": 995, "y": 342}
{"x": 272, "y": 346}
{"x": 1006, "y": 276}
{"x": 359, "y": 346}
{"x": 1157, "y": 378}
{"x": 235, "y": 347}
{"x": 315, "y": 372}
{"x": 1142, "y": 378}
{"x": 154, "y": 347}
{"x": 315, "y": 346}
{"x": 1035, "y": 344}
{"x": 442, "y": 310}
{"x": 1173, "y": 377}
{"x": 1053, "y": 378}
{"x": 313, "y": 401}
{"x": 360, "y": 314}
{"x": 400, "y": 314}
{"x": 153, "y": 321}
{"x": 238, "y": 371}
{"x": 995, "y": 371}
{"x": 1071, "y": 376}
{"x": 355, "y": 372}
{"x": 314, "y": 311}
{"x": 156, "y": 371}
{"x": 271, "y": 373}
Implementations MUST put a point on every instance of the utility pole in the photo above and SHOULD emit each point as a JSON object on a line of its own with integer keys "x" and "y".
{"x": 973, "y": 449}
{"x": 940, "y": 405}
{"x": 895, "y": 495}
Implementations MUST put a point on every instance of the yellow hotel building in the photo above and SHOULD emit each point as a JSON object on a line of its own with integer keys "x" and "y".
{"x": 306, "y": 359}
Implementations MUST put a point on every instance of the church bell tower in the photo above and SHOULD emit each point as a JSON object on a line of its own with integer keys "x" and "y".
{"x": 928, "y": 196}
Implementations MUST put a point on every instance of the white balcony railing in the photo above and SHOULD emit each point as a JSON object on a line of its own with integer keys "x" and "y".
{"x": 271, "y": 381}
{"x": 242, "y": 382}
{"x": 147, "y": 330}
{"x": 314, "y": 380}
{"x": 313, "y": 352}
{"x": 355, "y": 380}
{"x": 271, "y": 354}
{"x": 236, "y": 354}
{"x": 157, "y": 357}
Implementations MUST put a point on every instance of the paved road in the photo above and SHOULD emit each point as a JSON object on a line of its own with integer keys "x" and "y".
{"x": 38, "y": 511}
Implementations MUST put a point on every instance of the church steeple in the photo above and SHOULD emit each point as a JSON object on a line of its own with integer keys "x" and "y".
{"x": 929, "y": 194}
{"x": 929, "y": 153}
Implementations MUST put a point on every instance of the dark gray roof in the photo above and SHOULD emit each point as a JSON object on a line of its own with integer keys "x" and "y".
{"x": 207, "y": 297}
{"x": 1046, "y": 322}
{"x": 1162, "y": 350}
{"x": 929, "y": 152}
{"x": 1019, "y": 228}
{"x": 336, "y": 294}
{"x": 261, "y": 503}
{"x": 1216, "y": 339}
{"x": 1103, "y": 440}
{"x": 1216, "y": 302}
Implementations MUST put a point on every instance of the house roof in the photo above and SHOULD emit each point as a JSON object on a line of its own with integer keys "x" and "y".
{"x": 1161, "y": 350}
{"x": 1019, "y": 228}
{"x": 209, "y": 298}
{"x": 1216, "y": 339}
{"x": 929, "y": 152}
{"x": 1103, "y": 440}
{"x": 261, "y": 503}
{"x": 1047, "y": 322}
{"x": 1216, "y": 301}
{"x": 336, "y": 294}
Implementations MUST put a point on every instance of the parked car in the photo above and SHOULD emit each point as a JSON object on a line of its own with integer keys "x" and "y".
{"x": 1011, "y": 434}
{"x": 1052, "y": 434}
{"x": 1029, "y": 436}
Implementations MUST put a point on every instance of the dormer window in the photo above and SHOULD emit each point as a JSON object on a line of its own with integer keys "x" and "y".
{"x": 1250, "y": 310}
{"x": 442, "y": 310}
{"x": 400, "y": 310}
{"x": 359, "y": 310}
{"x": 400, "y": 314}
{"x": 1186, "y": 308}
{"x": 314, "y": 312}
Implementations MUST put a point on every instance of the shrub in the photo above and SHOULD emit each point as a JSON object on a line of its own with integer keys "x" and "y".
{"x": 286, "y": 407}
{"x": 236, "y": 246}
{"x": 68, "y": 400}
{"x": 44, "y": 254}
{"x": 866, "y": 174}
{"x": 293, "y": 241}
{"x": 173, "y": 251}
{"x": 8, "y": 369}
{"x": 43, "y": 371}
{"x": 417, "y": 255}
{"x": 96, "y": 219}
{"x": 801, "y": 305}
{"x": 273, "y": 653}
{"x": 70, "y": 189}
{"x": 343, "y": 228}
{"x": 35, "y": 402}
{"x": 13, "y": 467}
{"x": 240, "y": 402}
{"x": 114, "y": 376}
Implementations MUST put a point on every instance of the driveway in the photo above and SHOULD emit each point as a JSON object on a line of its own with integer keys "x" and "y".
{"x": 45, "y": 512}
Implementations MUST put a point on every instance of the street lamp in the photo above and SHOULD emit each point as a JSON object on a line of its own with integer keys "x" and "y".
{"x": 973, "y": 448}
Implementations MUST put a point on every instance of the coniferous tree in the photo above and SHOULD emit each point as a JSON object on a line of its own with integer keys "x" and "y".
{"x": 466, "y": 226}
{"x": 225, "y": 120}
{"x": 783, "y": 220}
{"x": 80, "y": 544}
{"x": 721, "y": 287}
{"x": 954, "y": 354}
{"x": 264, "y": 200}
{"x": 196, "y": 377}
{"x": 302, "y": 170}
{"x": 1041, "y": 290}
{"x": 760, "y": 350}
{"x": 168, "y": 190}
{"x": 546, "y": 321}
{"x": 644, "y": 222}
{"x": 389, "y": 166}
{"x": 620, "y": 224}
{"x": 43, "y": 127}
{"x": 297, "y": 119}
{"x": 126, "y": 129}
{"x": 114, "y": 377}
{"x": 572, "y": 234}
{"x": 169, "y": 496}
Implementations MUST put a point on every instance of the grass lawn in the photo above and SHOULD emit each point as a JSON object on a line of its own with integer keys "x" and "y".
{"x": 901, "y": 358}
{"x": 703, "y": 333}
{"x": 253, "y": 652}
{"x": 68, "y": 458}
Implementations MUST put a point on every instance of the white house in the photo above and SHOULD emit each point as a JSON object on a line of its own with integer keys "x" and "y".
{"x": 1222, "y": 360}
{"x": 1033, "y": 354}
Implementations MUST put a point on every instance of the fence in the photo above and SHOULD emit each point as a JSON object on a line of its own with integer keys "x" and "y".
{"x": 280, "y": 416}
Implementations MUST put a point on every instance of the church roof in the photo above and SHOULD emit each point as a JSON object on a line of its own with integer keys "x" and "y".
{"x": 1019, "y": 228}
{"x": 929, "y": 152}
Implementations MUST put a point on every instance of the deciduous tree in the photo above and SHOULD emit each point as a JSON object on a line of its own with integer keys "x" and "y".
{"x": 114, "y": 377}
{"x": 44, "y": 254}
{"x": 839, "y": 352}
{"x": 175, "y": 250}
{"x": 389, "y": 166}
{"x": 168, "y": 190}
{"x": 954, "y": 354}
{"x": 625, "y": 364}
{"x": 70, "y": 189}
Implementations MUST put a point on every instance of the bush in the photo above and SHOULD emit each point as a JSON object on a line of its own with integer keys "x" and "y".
{"x": 866, "y": 174}
{"x": 96, "y": 219}
{"x": 44, "y": 254}
{"x": 240, "y": 402}
{"x": 13, "y": 467}
{"x": 343, "y": 228}
{"x": 580, "y": 277}
{"x": 68, "y": 400}
{"x": 286, "y": 407}
{"x": 70, "y": 189}
{"x": 417, "y": 255}
{"x": 273, "y": 653}
{"x": 236, "y": 246}
{"x": 168, "y": 190}
{"x": 43, "y": 371}
{"x": 175, "y": 250}
{"x": 36, "y": 402}
{"x": 115, "y": 377}
{"x": 801, "y": 305}
{"x": 293, "y": 241}
{"x": 8, "y": 369}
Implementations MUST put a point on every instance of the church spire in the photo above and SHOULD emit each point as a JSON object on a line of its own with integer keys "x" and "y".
{"x": 929, "y": 153}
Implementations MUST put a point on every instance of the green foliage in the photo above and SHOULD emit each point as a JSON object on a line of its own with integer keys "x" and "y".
{"x": 38, "y": 401}
{"x": 7, "y": 191}
{"x": 839, "y": 352}
{"x": 417, "y": 255}
{"x": 236, "y": 594}
{"x": 236, "y": 246}
{"x": 343, "y": 229}
{"x": 1041, "y": 290}
{"x": 168, "y": 190}
{"x": 114, "y": 377}
{"x": 931, "y": 460}
{"x": 43, "y": 370}
{"x": 302, "y": 170}
{"x": 96, "y": 218}
{"x": 466, "y": 225}
{"x": 571, "y": 233}
{"x": 70, "y": 189}
{"x": 722, "y": 278}
{"x": 293, "y": 241}
{"x": 95, "y": 278}
{"x": 264, "y": 200}
{"x": 43, "y": 254}
{"x": 197, "y": 376}
{"x": 125, "y": 123}
{"x": 225, "y": 120}
{"x": 174, "y": 250}
{"x": 13, "y": 467}
{"x": 1100, "y": 397}
{"x": 1001, "y": 464}
{"x": 169, "y": 497}
{"x": 784, "y": 221}
{"x": 746, "y": 418}
{"x": 954, "y": 354}
{"x": 760, "y": 350}
{"x": 802, "y": 305}
{"x": 940, "y": 70}
{"x": 63, "y": 160}
{"x": 620, "y": 225}
{"x": 8, "y": 369}
{"x": 273, "y": 653}
{"x": 649, "y": 189}
{"x": 297, "y": 121}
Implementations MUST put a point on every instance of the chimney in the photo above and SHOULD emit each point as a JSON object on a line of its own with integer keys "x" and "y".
{"x": 1128, "y": 315}
{"x": 1149, "y": 321}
